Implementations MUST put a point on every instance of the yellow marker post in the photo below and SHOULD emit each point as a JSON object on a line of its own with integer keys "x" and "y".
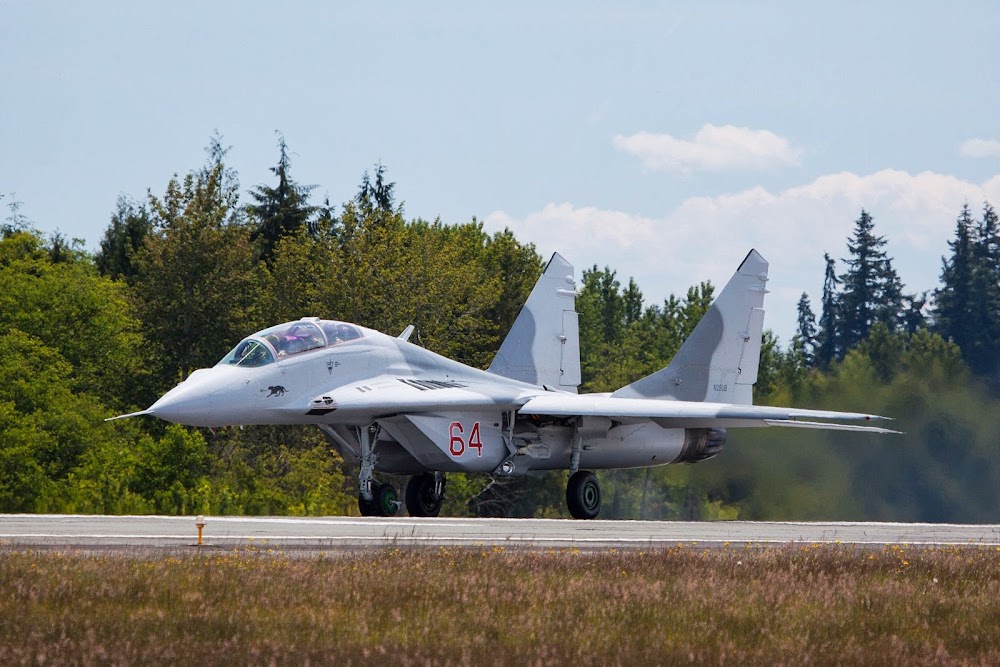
{"x": 200, "y": 522}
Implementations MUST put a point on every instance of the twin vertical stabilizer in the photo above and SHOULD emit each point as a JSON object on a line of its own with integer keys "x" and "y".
{"x": 543, "y": 346}
{"x": 719, "y": 360}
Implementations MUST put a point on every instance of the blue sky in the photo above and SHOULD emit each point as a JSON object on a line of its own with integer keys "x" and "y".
{"x": 661, "y": 139}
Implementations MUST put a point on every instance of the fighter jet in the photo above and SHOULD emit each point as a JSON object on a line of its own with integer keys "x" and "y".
{"x": 392, "y": 407}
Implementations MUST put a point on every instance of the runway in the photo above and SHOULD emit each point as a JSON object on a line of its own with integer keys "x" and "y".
{"x": 21, "y": 531}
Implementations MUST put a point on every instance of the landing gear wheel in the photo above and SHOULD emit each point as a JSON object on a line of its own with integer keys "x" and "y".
{"x": 366, "y": 507}
{"x": 386, "y": 500}
{"x": 583, "y": 495}
{"x": 420, "y": 497}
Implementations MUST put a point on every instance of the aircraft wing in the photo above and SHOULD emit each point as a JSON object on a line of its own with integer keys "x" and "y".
{"x": 690, "y": 414}
{"x": 388, "y": 394}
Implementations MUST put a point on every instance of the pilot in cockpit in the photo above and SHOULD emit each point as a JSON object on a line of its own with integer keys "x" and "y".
{"x": 276, "y": 343}
{"x": 346, "y": 332}
{"x": 330, "y": 329}
{"x": 338, "y": 332}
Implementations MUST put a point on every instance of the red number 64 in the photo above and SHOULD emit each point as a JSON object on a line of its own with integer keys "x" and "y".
{"x": 456, "y": 444}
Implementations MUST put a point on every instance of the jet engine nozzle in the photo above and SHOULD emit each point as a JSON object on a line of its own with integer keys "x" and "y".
{"x": 701, "y": 444}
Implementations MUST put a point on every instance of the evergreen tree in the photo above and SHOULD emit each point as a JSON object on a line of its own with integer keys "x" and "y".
{"x": 828, "y": 339}
{"x": 982, "y": 354}
{"x": 60, "y": 250}
{"x": 953, "y": 301}
{"x": 633, "y": 302}
{"x": 123, "y": 239}
{"x": 281, "y": 210}
{"x": 804, "y": 340}
{"x": 16, "y": 220}
{"x": 872, "y": 292}
{"x": 377, "y": 196}
{"x": 912, "y": 317}
{"x": 326, "y": 223}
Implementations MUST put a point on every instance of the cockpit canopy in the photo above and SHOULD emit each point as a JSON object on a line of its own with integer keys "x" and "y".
{"x": 288, "y": 339}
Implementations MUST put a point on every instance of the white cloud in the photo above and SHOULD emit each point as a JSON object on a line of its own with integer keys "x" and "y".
{"x": 565, "y": 223}
{"x": 980, "y": 148}
{"x": 713, "y": 148}
{"x": 704, "y": 238}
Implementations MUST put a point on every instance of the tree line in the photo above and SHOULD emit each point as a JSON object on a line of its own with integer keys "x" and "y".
{"x": 182, "y": 275}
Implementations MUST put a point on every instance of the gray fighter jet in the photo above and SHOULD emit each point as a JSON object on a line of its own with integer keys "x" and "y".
{"x": 392, "y": 407}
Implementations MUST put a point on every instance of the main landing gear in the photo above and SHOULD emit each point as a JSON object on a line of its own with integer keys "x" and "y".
{"x": 583, "y": 491}
{"x": 424, "y": 494}
{"x": 583, "y": 495}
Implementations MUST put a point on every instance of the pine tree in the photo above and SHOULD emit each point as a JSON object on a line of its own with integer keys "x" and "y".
{"x": 828, "y": 340}
{"x": 16, "y": 221}
{"x": 953, "y": 301}
{"x": 982, "y": 354}
{"x": 123, "y": 239}
{"x": 632, "y": 297}
{"x": 281, "y": 210}
{"x": 804, "y": 340}
{"x": 377, "y": 196}
{"x": 911, "y": 317}
{"x": 872, "y": 292}
{"x": 326, "y": 224}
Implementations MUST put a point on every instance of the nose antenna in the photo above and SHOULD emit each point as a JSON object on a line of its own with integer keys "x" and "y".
{"x": 147, "y": 411}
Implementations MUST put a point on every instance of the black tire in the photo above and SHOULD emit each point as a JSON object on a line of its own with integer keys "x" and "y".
{"x": 583, "y": 495}
{"x": 420, "y": 500}
{"x": 385, "y": 500}
{"x": 366, "y": 507}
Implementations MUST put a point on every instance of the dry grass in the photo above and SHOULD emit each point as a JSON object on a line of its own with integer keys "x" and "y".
{"x": 789, "y": 605}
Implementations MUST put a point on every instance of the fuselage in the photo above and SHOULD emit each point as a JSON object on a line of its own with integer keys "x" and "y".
{"x": 342, "y": 377}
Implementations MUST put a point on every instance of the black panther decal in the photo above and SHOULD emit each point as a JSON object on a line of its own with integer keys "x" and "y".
{"x": 276, "y": 390}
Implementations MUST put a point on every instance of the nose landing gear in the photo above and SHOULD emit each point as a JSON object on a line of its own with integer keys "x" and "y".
{"x": 373, "y": 499}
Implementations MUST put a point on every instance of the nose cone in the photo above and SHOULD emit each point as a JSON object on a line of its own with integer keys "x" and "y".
{"x": 204, "y": 399}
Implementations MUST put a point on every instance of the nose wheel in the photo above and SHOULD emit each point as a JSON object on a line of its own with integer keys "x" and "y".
{"x": 384, "y": 502}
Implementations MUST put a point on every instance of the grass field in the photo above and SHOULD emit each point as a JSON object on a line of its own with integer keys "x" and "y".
{"x": 736, "y": 605}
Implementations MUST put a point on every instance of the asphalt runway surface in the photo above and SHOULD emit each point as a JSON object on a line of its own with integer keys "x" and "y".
{"x": 21, "y": 531}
